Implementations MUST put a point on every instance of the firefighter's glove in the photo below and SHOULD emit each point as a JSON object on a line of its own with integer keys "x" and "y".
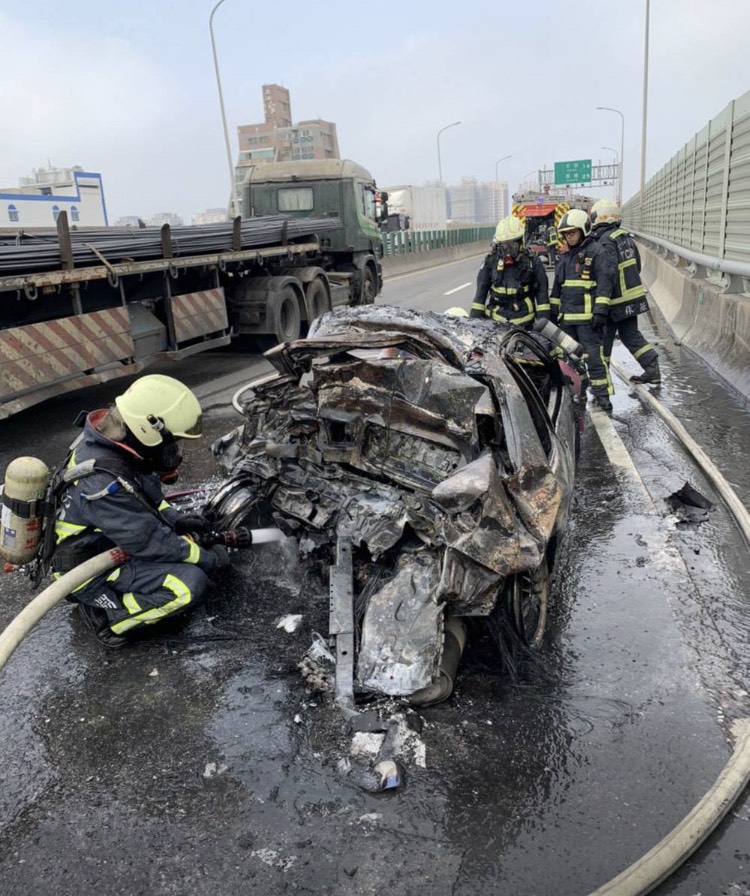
{"x": 220, "y": 556}
{"x": 194, "y": 525}
{"x": 599, "y": 323}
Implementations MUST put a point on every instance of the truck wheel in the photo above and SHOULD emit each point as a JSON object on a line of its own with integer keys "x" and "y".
{"x": 284, "y": 314}
{"x": 316, "y": 299}
{"x": 369, "y": 287}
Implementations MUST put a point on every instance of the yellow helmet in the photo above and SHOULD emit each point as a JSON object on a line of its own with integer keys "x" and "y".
{"x": 575, "y": 219}
{"x": 509, "y": 229}
{"x": 605, "y": 211}
{"x": 157, "y": 402}
{"x": 456, "y": 311}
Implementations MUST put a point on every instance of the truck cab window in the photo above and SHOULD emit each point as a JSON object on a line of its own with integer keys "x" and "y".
{"x": 295, "y": 199}
{"x": 368, "y": 202}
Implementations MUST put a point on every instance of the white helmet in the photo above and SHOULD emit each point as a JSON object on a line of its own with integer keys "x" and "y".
{"x": 509, "y": 229}
{"x": 456, "y": 311}
{"x": 575, "y": 219}
{"x": 605, "y": 211}
{"x": 156, "y": 402}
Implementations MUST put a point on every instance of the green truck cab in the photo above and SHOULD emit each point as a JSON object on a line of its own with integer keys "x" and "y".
{"x": 327, "y": 188}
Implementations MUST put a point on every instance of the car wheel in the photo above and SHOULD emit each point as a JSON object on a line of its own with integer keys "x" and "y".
{"x": 528, "y": 598}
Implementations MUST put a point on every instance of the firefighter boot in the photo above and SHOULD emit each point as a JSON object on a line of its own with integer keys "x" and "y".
{"x": 97, "y": 622}
{"x": 651, "y": 375}
{"x": 601, "y": 399}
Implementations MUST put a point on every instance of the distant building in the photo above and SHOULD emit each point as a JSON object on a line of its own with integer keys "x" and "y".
{"x": 130, "y": 221}
{"x": 39, "y": 199}
{"x": 472, "y": 202}
{"x": 165, "y": 218}
{"x": 211, "y": 216}
{"x": 277, "y": 139}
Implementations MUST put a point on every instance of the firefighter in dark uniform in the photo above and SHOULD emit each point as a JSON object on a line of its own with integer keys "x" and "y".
{"x": 512, "y": 284}
{"x": 629, "y": 295}
{"x": 114, "y": 496}
{"x": 581, "y": 294}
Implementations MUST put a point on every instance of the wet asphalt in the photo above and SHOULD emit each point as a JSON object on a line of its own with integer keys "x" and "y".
{"x": 196, "y": 762}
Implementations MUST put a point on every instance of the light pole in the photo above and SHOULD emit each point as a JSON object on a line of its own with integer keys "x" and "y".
{"x": 497, "y": 163}
{"x": 440, "y": 165}
{"x": 612, "y": 149}
{"x": 232, "y": 203}
{"x": 645, "y": 113}
{"x": 622, "y": 146}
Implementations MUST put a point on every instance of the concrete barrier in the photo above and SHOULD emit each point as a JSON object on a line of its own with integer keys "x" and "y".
{"x": 417, "y": 261}
{"x": 713, "y": 324}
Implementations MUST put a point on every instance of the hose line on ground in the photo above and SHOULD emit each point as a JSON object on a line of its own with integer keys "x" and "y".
{"x": 681, "y": 842}
{"x": 22, "y": 624}
{"x": 670, "y": 853}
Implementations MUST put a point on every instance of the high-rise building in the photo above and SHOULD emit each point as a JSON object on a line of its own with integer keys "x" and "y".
{"x": 472, "y": 202}
{"x": 277, "y": 139}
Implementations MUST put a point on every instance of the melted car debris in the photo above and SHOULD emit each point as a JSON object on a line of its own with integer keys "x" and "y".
{"x": 425, "y": 464}
{"x": 689, "y": 505}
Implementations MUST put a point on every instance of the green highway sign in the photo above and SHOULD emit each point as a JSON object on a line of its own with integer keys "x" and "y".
{"x": 576, "y": 172}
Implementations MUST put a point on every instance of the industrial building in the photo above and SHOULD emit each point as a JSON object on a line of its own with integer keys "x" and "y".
{"x": 38, "y": 199}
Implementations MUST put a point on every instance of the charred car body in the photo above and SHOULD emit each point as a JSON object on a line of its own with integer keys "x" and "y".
{"x": 428, "y": 462}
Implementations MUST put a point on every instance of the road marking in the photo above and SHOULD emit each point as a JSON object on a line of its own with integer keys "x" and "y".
{"x": 462, "y": 286}
{"x": 617, "y": 453}
{"x": 390, "y": 278}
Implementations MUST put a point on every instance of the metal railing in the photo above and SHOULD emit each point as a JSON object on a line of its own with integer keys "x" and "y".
{"x": 700, "y": 200}
{"x": 404, "y": 242}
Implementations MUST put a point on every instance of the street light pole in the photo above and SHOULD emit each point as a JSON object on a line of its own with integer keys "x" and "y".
{"x": 622, "y": 147}
{"x": 613, "y": 150}
{"x": 497, "y": 163}
{"x": 645, "y": 112}
{"x": 232, "y": 201}
{"x": 440, "y": 165}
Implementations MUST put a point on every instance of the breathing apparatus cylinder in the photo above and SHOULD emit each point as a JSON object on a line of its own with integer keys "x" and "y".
{"x": 547, "y": 329}
{"x": 23, "y": 497}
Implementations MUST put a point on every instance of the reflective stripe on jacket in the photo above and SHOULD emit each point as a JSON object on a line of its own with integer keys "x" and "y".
{"x": 511, "y": 293}
{"x": 629, "y": 294}
{"x": 584, "y": 281}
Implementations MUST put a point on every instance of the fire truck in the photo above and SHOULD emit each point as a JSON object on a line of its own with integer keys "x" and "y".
{"x": 541, "y": 211}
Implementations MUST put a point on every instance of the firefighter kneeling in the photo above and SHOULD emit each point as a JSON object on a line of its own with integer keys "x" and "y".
{"x": 109, "y": 492}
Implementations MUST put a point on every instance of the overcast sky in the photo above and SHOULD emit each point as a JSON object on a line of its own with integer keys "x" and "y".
{"x": 128, "y": 88}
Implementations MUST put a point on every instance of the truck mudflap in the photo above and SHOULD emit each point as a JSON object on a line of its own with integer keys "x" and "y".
{"x": 198, "y": 314}
{"x": 56, "y": 356}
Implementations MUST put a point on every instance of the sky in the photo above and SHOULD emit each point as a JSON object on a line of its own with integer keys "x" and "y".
{"x": 129, "y": 89}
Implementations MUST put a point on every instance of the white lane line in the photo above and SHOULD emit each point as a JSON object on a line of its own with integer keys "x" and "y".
{"x": 617, "y": 453}
{"x": 451, "y": 291}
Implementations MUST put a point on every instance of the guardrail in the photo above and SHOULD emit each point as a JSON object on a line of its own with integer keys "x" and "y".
{"x": 406, "y": 242}
{"x": 699, "y": 202}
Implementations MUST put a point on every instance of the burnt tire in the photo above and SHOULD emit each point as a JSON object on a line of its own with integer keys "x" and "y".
{"x": 528, "y": 599}
{"x": 284, "y": 313}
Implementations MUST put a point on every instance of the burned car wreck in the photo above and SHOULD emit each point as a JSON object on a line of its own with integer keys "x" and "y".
{"x": 427, "y": 462}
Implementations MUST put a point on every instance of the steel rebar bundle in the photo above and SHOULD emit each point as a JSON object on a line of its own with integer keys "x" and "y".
{"x": 35, "y": 252}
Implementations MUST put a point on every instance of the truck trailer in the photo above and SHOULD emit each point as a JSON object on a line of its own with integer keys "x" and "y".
{"x": 79, "y": 308}
{"x": 417, "y": 208}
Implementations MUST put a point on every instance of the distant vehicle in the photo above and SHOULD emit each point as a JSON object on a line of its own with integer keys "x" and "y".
{"x": 541, "y": 211}
{"x": 83, "y": 307}
{"x": 417, "y": 208}
{"x": 427, "y": 463}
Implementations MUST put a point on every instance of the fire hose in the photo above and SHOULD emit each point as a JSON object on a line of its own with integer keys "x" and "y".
{"x": 31, "y": 614}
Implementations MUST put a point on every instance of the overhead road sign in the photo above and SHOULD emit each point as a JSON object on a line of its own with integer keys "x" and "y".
{"x": 577, "y": 171}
